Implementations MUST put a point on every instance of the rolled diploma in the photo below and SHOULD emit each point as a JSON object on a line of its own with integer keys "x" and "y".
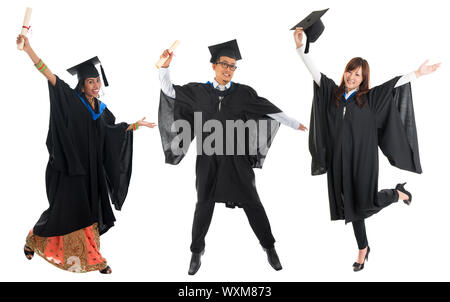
{"x": 26, "y": 24}
{"x": 171, "y": 49}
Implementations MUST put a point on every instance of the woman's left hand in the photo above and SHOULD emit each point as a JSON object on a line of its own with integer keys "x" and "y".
{"x": 142, "y": 122}
{"x": 426, "y": 69}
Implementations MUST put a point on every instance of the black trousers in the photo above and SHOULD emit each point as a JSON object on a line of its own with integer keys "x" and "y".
{"x": 384, "y": 198}
{"x": 359, "y": 228}
{"x": 256, "y": 217}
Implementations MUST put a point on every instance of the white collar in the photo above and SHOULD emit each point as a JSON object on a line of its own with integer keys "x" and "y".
{"x": 221, "y": 87}
{"x": 347, "y": 94}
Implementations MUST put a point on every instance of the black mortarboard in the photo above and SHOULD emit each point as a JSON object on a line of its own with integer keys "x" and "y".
{"x": 87, "y": 70}
{"x": 313, "y": 27}
{"x": 229, "y": 49}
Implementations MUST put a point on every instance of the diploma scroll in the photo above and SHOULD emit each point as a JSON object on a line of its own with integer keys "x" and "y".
{"x": 171, "y": 49}
{"x": 25, "y": 26}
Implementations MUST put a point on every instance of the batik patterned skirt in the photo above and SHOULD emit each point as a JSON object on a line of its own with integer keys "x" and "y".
{"x": 77, "y": 252}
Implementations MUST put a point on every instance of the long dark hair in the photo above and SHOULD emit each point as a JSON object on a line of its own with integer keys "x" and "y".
{"x": 353, "y": 64}
{"x": 79, "y": 87}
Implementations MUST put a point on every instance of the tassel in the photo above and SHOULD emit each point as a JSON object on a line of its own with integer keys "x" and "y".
{"x": 307, "y": 46}
{"x": 105, "y": 81}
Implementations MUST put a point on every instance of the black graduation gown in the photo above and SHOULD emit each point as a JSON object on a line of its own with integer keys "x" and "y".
{"x": 220, "y": 178}
{"x": 90, "y": 162}
{"x": 345, "y": 146}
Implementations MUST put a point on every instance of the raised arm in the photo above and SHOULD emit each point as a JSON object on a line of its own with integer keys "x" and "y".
{"x": 298, "y": 37}
{"x": 164, "y": 75}
{"x": 41, "y": 66}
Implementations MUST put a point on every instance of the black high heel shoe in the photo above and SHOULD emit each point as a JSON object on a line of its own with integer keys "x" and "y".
{"x": 360, "y": 266}
{"x": 29, "y": 253}
{"x": 401, "y": 188}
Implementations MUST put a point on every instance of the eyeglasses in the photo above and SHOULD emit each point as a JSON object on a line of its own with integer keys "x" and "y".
{"x": 226, "y": 65}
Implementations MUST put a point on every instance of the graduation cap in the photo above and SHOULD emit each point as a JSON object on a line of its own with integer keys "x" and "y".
{"x": 228, "y": 49}
{"x": 313, "y": 27}
{"x": 87, "y": 70}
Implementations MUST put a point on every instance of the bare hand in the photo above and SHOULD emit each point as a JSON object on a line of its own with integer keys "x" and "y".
{"x": 166, "y": 54}
{"x": 302, "y": 127}
{"x": 142, "y": 122}
{"x": 425, "y": 69}
{"x": 298, "y": 37}
{"x": 26, "y": 44}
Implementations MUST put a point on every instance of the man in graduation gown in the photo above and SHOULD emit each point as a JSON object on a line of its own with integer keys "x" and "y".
{"x": 221, "y": 175}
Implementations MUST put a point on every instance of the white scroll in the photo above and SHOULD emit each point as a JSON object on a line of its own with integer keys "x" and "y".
{"x": 25, "y": 27}
{"x": 171, "y": 49}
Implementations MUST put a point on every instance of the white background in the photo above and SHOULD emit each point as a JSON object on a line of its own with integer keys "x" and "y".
{"x": 150, "y": 241}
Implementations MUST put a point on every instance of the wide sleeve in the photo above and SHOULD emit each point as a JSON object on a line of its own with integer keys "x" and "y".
{"x": 319, "y": 136}
{"x": 261, "y": 137}
{"x": 117, "y": 158}
{"x": 63, "y": 156}
{"x": 397, "y": 133}
{"x": 257, "y": 106}
{"x": 176, "y": 122}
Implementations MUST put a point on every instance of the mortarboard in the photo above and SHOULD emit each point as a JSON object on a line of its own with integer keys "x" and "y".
{"x": 229, "y": 49}
{"x": 87, "y": 70}
{"x": 313, "y": 27}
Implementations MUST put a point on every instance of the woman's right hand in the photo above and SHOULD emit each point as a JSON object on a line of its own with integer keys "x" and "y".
{"x": 298, "y": 37}
{"x": 166, "y": 54}
{"x": 26, "y": 43}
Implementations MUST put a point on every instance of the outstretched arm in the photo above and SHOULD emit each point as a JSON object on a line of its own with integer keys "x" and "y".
{"x": 286, "y": 120}
{"x": 424, "y": 69}
{"x": 141, "y": 123}
{"x": 298, "y": 37}
{"x": 41, "y": 66}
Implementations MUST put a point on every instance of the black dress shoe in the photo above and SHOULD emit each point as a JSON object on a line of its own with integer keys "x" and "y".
{"x": 195, "y": 262}
{"x": 272, "y": 257}
{"x": 402, "y": 189}
{"x": 360, "y": 266}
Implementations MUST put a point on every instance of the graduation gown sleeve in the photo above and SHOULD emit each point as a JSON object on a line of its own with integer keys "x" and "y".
{"x": 181, "y": 110}
{"x": 63, "y": 154}
{"x": 397, "y": 133}
{"x": 319, "y": 138}
{"x": 257, "y": 108}
{"x": 117, "y": 158}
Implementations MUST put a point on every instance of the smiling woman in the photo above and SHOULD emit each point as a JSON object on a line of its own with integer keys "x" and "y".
{"x": 348, "y": 124}
{"x": 89, "y": 81}
{"x": 89, "y": 168}
{"x": 356, "y": 78}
